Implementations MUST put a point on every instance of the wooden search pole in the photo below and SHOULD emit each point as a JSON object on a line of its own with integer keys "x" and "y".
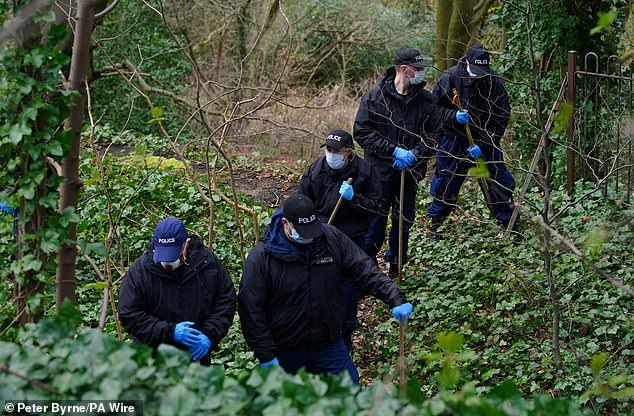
{"x": 401, "y": 342}
{"x": 334, "y": 211}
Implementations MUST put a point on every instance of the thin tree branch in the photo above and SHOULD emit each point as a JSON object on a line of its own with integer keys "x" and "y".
{"x": 24, "y": 16}
{"x": 29, "y": 380}
{"x": 107, "y": 10}
{"x": 537, "y": 219}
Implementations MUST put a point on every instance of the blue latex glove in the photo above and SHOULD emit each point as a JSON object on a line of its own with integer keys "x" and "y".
{"x": 346, "y": 191}
{"x": 474, "y": 151}
{"x": 405, "y": 156}
{"x": 186, "y": 335}
{"x": 274, "y": 361}
{"x": 7, "y": 209}
{"x": 200, "y": 348}
{"x": 410, "y": 158}
{"x": 400, "y": 153}
{"x": 462, "y": 117}
{"x": 399, "y": 164}
{"x": 402, "y": 312}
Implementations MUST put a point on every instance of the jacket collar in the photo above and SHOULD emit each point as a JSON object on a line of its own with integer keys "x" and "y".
{"x": 276, "y": 243}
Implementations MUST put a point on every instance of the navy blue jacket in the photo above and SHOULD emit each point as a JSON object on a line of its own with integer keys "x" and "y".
{"x": 152, "y": 300}
{"x": 290, "y": 294}
{"x": 321, "y": 185}
{"x": 485, "y": 98}
{"x": 386, "y": 120}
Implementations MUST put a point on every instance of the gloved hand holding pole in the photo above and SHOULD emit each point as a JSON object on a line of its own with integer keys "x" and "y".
{"x": 474, "y": 150}
{"x": 334, "y": 211}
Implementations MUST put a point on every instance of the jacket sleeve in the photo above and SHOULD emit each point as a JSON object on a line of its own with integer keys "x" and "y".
{"x": 433, "y": 118}
{"x": 305, "y": 186}
{"x": 217, "y": 323}
{"x": 143, "y": 326}
{"x": 366, "y": 131}
{"x": 367, "y": 200}
{"x": 446, "y": 109}
{"x": 252, "y": 301}
{"x": 501, "y": 110}
{"x": 362, "y": 270}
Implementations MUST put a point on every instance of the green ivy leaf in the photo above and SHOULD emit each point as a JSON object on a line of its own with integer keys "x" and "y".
{"x": 626, "y": 393}
{"x": 47, "y": 16}
{"x": 56, "y": 149}
{"x": 30, "y": 262}
{"x": 36, "y": 58}
{"x": 157, "y": 115}
{"x": 178, "y": 400}
{"x": 563, "y": 117}
{"x": 96, "y": 286}
{"x": 450, "y": 341}
{"x": 449, "y": 377}
{"x": 156, "y": 112}
{"x": 604, "y": 21}
{"x": 69, "y": 217}
{"x": 598, "y": 361}
{"x": 480, "y": 170}
{"x": 17, "y": 132}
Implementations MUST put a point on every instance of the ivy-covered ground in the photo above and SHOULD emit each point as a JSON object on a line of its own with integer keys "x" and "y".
{"x": 61, "y": 362}
{"x": 482, "y": 318}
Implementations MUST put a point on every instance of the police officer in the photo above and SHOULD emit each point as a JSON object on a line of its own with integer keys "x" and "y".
{"x": 397, "y": 125}
{"x": 483, "y": 94}
{"x": 290, "y": 299}
{"x": 325, "y": 183}
{"x": 177, "y": 293}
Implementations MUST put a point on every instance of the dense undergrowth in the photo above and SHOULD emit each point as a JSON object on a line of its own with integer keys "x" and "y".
{"x": 495, "y": 292}
{"x": 62, "y": 362}
{"x": 491, "y": 290}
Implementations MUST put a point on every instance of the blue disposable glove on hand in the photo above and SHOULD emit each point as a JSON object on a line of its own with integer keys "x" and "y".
{"x": 186, "y": 335}
{"x": 7, "y": 209}
{"x": 474, "y": 151}
{"x": 399, "y": 164}
{"x": 402, "y": 312}
{"x": 274, "y": 361}
{"x": 346, "y": 191}
{"x": 462, "y": 117}
{"x": 410, "y": 158}
{"x": 406, "y": 156}
{"x": 200, "y": 348}
{"x": 400, "y": 153}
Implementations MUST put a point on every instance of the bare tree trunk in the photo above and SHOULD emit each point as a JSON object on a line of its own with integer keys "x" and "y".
{"x": 457, "y": 26}
{"x": 546, "y": 183}
{"x": 459, "y": 30}
{"x": 443, "y": 17}
{"x": 69, "y": 189}
{"x": 552, "y": 289}
{"x": 27, "y": 284}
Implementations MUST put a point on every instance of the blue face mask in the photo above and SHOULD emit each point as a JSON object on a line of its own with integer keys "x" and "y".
{"x": 334, "y": 160}
{"x": 418, "y": 77}
{"x": 299, "y": 239}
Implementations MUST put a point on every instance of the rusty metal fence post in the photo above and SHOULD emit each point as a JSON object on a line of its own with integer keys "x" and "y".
{"x": 570, "y": 130}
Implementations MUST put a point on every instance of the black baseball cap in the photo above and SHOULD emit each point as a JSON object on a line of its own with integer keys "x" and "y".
{"x": 301, "y": 212}
{"x": 411, "y": 57}
{"x": 479, "y": 58}
{"x": 169, "y": 236}
{"x": 338, "y": 139}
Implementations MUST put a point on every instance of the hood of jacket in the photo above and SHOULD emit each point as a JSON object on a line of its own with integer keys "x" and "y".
{"x": 276, "y": 243}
